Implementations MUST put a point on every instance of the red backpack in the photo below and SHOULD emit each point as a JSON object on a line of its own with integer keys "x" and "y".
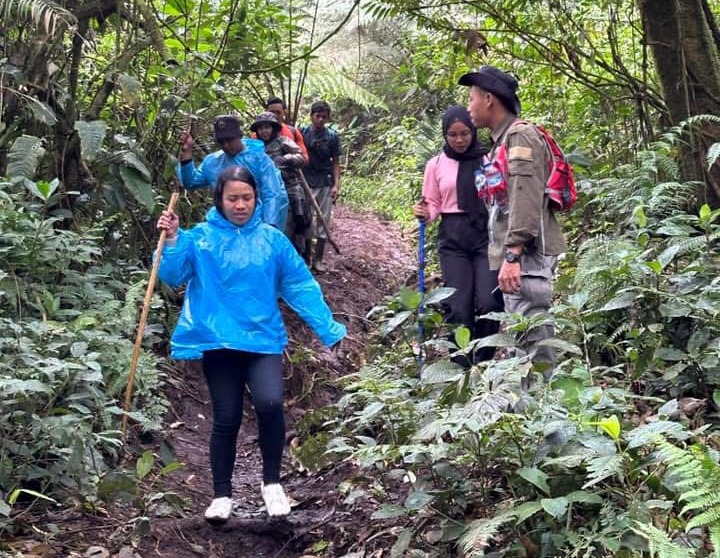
{"x": 560, "y": 187}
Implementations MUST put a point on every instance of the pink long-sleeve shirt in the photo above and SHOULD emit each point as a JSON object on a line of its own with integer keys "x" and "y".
{"x": 440, "y": 186}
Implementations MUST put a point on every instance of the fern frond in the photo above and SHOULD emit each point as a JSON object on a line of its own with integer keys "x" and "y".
{"x": 660, "y": 545}
{"x": 670, "y": 198}
{"x": 478, "y": 533}
{"x": 333, "y": 83}
{"x": 43, "y": 13}
{"x": 601, "y": 467}
{"x": 698, "y": 478}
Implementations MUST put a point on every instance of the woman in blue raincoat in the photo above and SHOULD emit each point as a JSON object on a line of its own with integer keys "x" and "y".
{"x": 235, "y": 267}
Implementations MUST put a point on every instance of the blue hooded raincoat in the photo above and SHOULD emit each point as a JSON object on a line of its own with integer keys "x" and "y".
{"x": 270, "y": 187}
{"x": 234, "y": 275}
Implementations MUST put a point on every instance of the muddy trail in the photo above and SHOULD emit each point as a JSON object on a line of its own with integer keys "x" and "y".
{"x": 375, "y": 260}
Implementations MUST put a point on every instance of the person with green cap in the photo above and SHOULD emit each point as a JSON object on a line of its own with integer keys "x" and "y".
{"x": 526, "y": 238}
{"x": 236, "y": 150}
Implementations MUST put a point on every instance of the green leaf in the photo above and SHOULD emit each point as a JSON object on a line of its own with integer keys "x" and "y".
{"x": 442, "y": 372}
{"x": 611, "y": 426}
{"x": 138, "y": 187}
{"x": 704, "y": 213}
{"x": 561, "y": 345}
{"x": 47, "y": 189}
{"x": 410, "y": 299}
{"x": 42, "y": 112}
{"x": 440, "y": 294}
{"x": 396, "y": 321}
{"x": 24, "y": 156}
{"x": 674, "y": 309}
{"x": 526, "y": 510}
{"x": 621, "y": 300}
{"x": 585, "y": 497}
{"x": 170, "y": 467}
{"x": 13, "y": 496}
{"x": 647, "y": 433}
{"x": 418, "y": 500}
{"x": 144, "y": 464}
{"x": 462, "y": 337}
{"x": 556, "y": 507}
{"x": 5, "y": 509}
{"x": 92, "y": 135}
{"x": 536, "y": 477}
{"x": 388, "y": 511}
{"x": 640, "y": 217}
{"x": 402, "y": 543}
{"x": 670, "y": 354}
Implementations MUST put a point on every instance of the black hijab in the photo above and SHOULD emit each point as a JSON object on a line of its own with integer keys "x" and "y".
{"x": 469, "y": 161}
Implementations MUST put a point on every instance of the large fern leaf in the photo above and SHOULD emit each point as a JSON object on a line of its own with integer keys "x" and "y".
{"x": 331, "y": 83}
{"x": 697, "y": 478}
{"x": 43, "y": 13}
{"x": 24, "y": 156}
{"x": 91, "y": 135}
{"x": 660, "y": 544}
{"x": 478, "y": 534}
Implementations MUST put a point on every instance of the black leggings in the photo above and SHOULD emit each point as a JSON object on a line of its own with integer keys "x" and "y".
{"x": 227, "y": 373}
{"x": 464, "y": 263}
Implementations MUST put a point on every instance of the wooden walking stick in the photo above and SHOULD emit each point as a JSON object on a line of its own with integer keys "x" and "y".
{"x": 143, "y": 318}
{"x": 313, "y": 201}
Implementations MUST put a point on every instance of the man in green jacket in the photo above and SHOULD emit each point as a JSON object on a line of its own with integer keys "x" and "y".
{"x": 526, "y": 238}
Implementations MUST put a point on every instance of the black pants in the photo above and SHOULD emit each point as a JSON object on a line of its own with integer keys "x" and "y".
{"x": 227, "y": 373}
{"x": 464, "y": 262}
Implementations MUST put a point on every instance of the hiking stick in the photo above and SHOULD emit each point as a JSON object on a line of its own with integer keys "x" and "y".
{"x": 313, "y": 201}
{"x": 143, "y": 318}
{"x": 421, "y": 290}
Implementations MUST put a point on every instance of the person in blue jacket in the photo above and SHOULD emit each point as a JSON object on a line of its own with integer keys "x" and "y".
{"x": 235, "y": 267}
{"x": 236, "y": 150}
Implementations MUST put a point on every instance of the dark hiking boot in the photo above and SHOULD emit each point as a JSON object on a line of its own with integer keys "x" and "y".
{"x": 318, "y": 264}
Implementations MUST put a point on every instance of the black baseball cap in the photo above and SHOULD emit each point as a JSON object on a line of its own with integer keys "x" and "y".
{"x": 496, "y": 81}
{"x": 226, "y": 127}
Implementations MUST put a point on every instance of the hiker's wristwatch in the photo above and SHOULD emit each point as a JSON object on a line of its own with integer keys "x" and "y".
{"x": 512, "y": 257}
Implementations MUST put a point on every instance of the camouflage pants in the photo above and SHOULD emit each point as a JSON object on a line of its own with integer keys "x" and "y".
{"x": 534, "y": 301}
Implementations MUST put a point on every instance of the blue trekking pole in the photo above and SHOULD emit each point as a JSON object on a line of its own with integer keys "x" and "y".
{"x": 421, "y": 290}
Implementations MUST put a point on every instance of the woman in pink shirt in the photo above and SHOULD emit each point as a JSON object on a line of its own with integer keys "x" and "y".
{"x": 449, "y": 192}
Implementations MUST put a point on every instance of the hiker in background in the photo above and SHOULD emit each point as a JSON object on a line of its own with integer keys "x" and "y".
{"x": 278, "y": 107}
{"x": 323, "y": 172}
{"x": 286, "y": 155}
{"x": 235, "y": 268}
{"x": 234, "y": 150}
{"x": 449, "y": 193}
{"x": 526, "y": 235}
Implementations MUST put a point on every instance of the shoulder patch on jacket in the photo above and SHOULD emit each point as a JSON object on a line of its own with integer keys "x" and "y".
{"x": 520, "y": 152}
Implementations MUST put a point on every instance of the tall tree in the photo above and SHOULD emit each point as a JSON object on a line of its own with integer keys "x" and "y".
{"x": 683, "y": 36}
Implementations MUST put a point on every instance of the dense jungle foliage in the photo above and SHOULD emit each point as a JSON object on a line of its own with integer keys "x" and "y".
{"x": 617, "y": 455}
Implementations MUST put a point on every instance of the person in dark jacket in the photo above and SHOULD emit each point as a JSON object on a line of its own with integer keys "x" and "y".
{"x": 323, "y": 171}
{"x": 286, "y": 155}
{"x": 449, "y": 193}
{"x": 235, "y": 267}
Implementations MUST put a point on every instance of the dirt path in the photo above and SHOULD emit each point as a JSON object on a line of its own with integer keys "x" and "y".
{"x": 375, "y": 260}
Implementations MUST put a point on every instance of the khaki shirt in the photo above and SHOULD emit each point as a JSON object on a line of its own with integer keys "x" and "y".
{"x": 530, "y": 221}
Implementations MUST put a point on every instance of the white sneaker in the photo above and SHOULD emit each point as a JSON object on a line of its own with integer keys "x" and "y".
{"x": 219, "y": 510}
{"x": 276, "y": 502}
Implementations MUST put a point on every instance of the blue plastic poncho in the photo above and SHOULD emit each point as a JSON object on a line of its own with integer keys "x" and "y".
{"x": 270, "y": 187}
{"x": 234, "y": 275}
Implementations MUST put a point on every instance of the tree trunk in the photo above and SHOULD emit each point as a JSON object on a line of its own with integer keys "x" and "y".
{"x": 680, "y": 35}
